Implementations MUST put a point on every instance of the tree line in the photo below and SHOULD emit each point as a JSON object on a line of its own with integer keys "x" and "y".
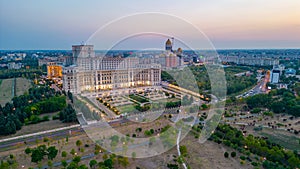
{"x": 27, "y": 107}
{"x": 279, "y": 101}
{"x": 234, "y": 84}
{"x": 27, "y": 73}
{"x": 276, "y": 155}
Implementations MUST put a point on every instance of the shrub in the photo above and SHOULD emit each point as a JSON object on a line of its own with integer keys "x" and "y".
{"x": 233, "y": 154}
{"x": 27, "y": 150}
{"x": 254, "y": 164}
{"x": 226, "y": 154}
{"x": 64, "y": 154}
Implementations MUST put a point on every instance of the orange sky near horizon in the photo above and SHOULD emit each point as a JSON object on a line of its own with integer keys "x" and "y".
{"x": 57, "y": 24}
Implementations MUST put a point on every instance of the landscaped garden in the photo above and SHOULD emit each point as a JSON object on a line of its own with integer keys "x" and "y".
{"x": 138, "y": 98}
{"x": 144, "y": 101}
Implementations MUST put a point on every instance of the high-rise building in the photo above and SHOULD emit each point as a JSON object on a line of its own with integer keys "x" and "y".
{"x": 275, "y": 76}
{"x": 82, "y": 51}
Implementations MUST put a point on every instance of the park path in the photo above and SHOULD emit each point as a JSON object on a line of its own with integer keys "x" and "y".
{"x": 178, "y": 148}
{"x": 13, "y": 88}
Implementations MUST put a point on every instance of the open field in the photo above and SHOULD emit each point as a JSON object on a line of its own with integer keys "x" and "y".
{"x": 6, "y": 89}
{"x": 280, "y": 136}
{"x": 283, "y": 138}
{"x": 22, "y": 86}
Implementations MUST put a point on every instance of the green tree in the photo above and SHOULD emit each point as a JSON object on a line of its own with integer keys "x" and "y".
{"x": 123, "y": 161}
{"x": 226, "y": 154}
{"x": 27, "y": 150}
{"x": 68, "y": 114}
{"x": 260, "y": 100}
{"x": 147, "y": 133}
{"x": 64, "y": 163}
{"x": 294, "y": 162}
{"x": 108, "y": 163}
{"x": 36, "y": 156}
{"x": 183, "y": 150}
{"x": 76, "y": 159}
{"x": 50, "y": 163}
{"x": 78, "y": 143}
{"x": 83, "y": 166}
{"x": 93, "y": 164}
{"x": 73, "y": 165}
{"x": 52, "y": 152}
{"x": 72, "y": 151}
{"x": 64, "y": 154}
{"x": 204, "y": 106}
{"x": 114, "y": 140}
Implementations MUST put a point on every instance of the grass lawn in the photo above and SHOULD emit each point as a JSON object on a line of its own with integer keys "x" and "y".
{"x": 126, "y": 108}
{"x": 288, "y": 141}
{"x": 138, "y": 98}
{"x": 22, "y": 86}
{"x": 6, "y": 91}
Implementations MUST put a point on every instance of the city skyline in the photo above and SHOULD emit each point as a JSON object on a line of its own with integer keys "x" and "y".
{"x": 228, "y": 24}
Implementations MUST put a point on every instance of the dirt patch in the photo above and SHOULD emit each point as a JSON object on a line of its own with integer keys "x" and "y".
{"x": 130, "y": 128}
{"x": 207, "y": 155}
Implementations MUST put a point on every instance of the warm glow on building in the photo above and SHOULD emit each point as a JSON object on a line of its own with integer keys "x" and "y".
{"x": 53, "y": 70}
{"x": 99, "y": 74}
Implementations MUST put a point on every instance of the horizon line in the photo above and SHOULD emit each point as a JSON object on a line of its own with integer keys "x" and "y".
{"x": 271, "y": 48}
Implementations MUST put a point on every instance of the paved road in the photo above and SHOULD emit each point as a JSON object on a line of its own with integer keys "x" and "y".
{"x": 31, "y": 138}
{"x": 39, "y": 133}
{"x": 255, "y": 90}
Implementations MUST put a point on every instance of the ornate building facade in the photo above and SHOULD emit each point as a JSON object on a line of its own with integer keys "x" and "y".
{"x": 101, "y": 75}
{"x": 170, "y": 58}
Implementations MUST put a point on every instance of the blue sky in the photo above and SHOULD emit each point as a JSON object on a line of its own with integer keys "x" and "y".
{"x": 58, "y": 24}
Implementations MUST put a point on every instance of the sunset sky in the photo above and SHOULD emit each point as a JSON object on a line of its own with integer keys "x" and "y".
{"x": 58, "y": 24}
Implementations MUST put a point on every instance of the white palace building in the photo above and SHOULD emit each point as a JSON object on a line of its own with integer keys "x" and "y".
{"x": 88, "y": 74}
